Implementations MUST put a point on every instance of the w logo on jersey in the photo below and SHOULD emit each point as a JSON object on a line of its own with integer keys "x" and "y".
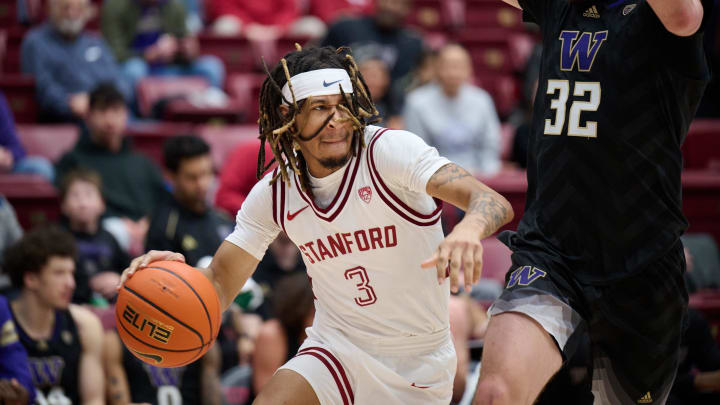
{"x": 576, "y": 49}
{"x": 525, "y": 276}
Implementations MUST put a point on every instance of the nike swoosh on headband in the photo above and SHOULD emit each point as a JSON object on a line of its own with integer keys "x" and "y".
{"x": 326, "y": 84}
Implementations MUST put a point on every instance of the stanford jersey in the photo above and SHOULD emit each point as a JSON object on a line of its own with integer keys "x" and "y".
{"x": 363, "y": 243}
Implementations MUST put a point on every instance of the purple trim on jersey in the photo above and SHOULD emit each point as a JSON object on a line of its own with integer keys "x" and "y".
{"x": 424, "y": 219}
{"x": 343, "y": 386}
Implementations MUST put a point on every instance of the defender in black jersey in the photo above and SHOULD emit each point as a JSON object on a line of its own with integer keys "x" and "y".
{"x": 63, "y": 341}
{"x": 598, "y": 249}
{"x": 132, "y": 381}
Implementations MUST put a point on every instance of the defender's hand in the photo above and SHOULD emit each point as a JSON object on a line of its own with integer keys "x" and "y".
{"x": 462, "y": 246}
{"x": 140, "y": 262}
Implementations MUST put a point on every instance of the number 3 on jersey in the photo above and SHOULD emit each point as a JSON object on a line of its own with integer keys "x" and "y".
{"x": 359, "y": 273}
{"x": 580, "y": 103}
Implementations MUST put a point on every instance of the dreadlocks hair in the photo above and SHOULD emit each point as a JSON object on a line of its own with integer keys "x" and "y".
{"x": 281, "y": 131}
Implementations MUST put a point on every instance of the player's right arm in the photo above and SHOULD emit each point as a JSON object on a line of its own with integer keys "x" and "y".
{"x": 118, "y": 392}
{"x": 513, "y": 3}
{"x": 238, "y": 256}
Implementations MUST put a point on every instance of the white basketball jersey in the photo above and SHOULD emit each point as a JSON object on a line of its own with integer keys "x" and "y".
{"x": 363, "y": 251}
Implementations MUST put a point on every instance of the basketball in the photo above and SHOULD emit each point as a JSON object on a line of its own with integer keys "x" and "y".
{"x": 168, "y": 314}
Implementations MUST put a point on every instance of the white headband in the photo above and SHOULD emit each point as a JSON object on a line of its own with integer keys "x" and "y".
{"x": 320, "y": 82}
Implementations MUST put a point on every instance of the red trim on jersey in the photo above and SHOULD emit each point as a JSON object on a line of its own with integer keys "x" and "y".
{"x": 344, "y": 386}
{"x": 343, "y": 189}
{"x": 274, "y": 198}
{"x": 424, "y": 219}
{"x": 339, "y": 367}
{"x": 282, "y": 206}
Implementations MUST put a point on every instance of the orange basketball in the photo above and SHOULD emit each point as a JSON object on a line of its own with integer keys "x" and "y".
{"x": 168, "y": 314}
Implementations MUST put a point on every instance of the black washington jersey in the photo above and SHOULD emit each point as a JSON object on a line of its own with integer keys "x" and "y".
{"x": 54, "y": 364}
{"x": 616, "y": 95}
{"x": 162, "y": 386}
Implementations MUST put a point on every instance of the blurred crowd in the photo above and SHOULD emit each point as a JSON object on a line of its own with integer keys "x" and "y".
{"x": 88, "y": 58}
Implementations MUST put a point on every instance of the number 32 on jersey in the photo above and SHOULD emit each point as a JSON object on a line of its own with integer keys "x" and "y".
{"x": 581, "y": 102}
{"x": 578, "y": 52}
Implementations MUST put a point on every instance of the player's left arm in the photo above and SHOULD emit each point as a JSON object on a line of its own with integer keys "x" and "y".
{"x": 210, "y": 376}
{"x": 485, "y": 212}
{"x": 680, "y": 17}
{"x": 91, "y": 376}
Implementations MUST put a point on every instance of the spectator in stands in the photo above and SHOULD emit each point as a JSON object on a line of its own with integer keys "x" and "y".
{"x": 68, "y": 62}
{"x": 438, "y": 113}
{"x": 698, "y": 378}
{"x": 262, "y": 20}
{"x": 16, "y": 385}
{"x": 99, "y": 259}
{"x": 377, "y": 77}
{"x": 184, "y": 222}
{"x": 51, "y": 329}
{"x": 130, "y": 380}
{"x": 10, "y": 232}
{"x": 331, "y": 10}
{"x": 150, "y": 37}
{"x": 382, "y": 34}
{"x": 132, "y": 184}
{"x": 13, "y": 158}
{"x": 282, "y": 260}
{"x": 280, "y": 338}
{"x": 238, "y": 176}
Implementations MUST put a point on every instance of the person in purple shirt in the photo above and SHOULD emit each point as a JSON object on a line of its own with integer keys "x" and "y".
{"x": 13, "y": 158}
{"x": 16, "y": 386}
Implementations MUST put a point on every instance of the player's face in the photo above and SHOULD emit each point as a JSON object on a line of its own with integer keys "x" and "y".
{"x": 193, "y": 180}
{"x": 83, "y": 202}
{"x": 107, "y": 126}
{"x": 330, "y": 149}
{"x": 54, "y": 283}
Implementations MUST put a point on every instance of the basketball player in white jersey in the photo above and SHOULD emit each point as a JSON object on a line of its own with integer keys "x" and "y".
{"x": 362, "y": 204}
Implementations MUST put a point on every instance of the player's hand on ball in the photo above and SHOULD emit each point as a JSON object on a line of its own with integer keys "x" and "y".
{"x": 140, "y": 262}
{"x": 461, "y": 247}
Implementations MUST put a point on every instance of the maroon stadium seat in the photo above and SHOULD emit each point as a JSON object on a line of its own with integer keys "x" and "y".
{"x": 507, "y": 135}
{"x": 148, "y": 137}
{"x": 245, "y": 89}
{"x": 223, "y": 139}
{"x": 701, "y": 201}
{"x": 503, "y": 88}
{"x": 235, "y": 51}
{"x": 497, "y": 50}
{"x": 49, "y": 141}
{"x": 20, "y": 93}
{"x": 10, "y": 62}
{"x": 34, "y": 199}
{"x": 701, "y": 149}
{"x": 150, "y": 90}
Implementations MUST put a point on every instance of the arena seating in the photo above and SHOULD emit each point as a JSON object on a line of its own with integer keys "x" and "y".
{"x": 223, "y": 139}
{"x": 50, "y": 141}
{"x": 20, "y": 93}
{"x": 701, "y": 149}
{"x": 34, "y": 199}
{"x": 496, "y": 259}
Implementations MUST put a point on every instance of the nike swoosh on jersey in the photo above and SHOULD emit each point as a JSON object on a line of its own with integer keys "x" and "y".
{"x": 419, "y": 386}
{"x": 290, "y": 216}
{"x": 326, "y": 84}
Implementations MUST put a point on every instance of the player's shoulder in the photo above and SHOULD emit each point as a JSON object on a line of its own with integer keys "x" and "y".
{"x": 378, "y": 138}
{"x": 85, "y": 320}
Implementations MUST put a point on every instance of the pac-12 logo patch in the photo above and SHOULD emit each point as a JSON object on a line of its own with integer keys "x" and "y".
{"x": 365, "y": 193}
{"x": 525, "y": 276}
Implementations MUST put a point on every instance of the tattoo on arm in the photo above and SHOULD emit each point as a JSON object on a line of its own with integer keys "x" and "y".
{"x": 488, "y": 209}
{"x": 448, "y": 174}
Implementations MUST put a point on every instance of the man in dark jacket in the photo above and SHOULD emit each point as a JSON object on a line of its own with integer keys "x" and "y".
{"x": 132, "y": 184}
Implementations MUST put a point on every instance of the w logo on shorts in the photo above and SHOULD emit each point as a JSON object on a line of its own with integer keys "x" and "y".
{"x": 525, "y": 276}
